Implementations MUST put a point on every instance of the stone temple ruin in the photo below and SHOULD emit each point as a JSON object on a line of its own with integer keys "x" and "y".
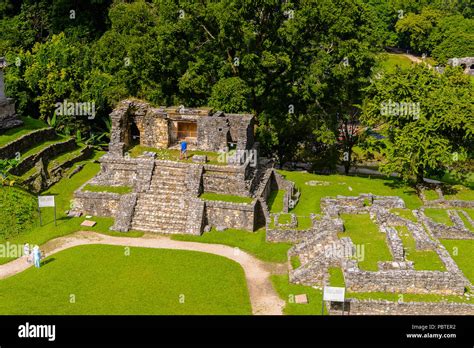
{"x": 8, "y": 117}
{"x": 165, "y": 193}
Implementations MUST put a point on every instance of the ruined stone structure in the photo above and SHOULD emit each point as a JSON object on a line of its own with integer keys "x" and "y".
{"x": 165, "y": 194}
{"x": 466, "y": 63}
{"x": 137, "y": 122}
{"x": 323, "y": 246}
{"x": 8, "y": 117}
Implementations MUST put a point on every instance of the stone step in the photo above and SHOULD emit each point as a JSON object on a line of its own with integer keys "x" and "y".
{"x": 159, "y": 229}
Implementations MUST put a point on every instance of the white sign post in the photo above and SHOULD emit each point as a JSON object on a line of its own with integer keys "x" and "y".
{"x": 335, "y": 294}
{"x": 44, "y": 202}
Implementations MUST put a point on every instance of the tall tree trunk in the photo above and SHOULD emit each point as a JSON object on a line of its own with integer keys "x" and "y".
{"x": 420, "y": 174}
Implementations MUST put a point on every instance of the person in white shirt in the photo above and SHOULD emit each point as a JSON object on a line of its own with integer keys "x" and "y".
{"x": 26, "y": 252}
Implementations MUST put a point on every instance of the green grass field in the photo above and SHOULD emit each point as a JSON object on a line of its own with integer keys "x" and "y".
{"x": 404, "y": 213}
{"x": 209, "y": 196}
{"x": 148, "y": 281}
{"x": 439, "y": 215}
{"x": 173, "y": 154}
{"x": 425, "y": 260}
{"x": 365, "y": 232}
{"x": 348, "y": 186}
{"x": 460, "y": 192}
{"x": 30, "y": 125}
{"x": 462, "y": 251}
{"x": 275, "y": 201}
{"x": 288, "y": 291}
{"x": 252, "y": 242}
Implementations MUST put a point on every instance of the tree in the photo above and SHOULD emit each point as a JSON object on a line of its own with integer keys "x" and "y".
{"x": 429, "y": 119}
{"x": 230, "y": 95}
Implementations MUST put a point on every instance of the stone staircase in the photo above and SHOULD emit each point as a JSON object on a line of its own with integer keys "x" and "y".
{"x": 164, "y": 206}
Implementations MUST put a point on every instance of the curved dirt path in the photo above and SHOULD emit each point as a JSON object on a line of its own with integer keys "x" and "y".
{"x": 264, "y": 299}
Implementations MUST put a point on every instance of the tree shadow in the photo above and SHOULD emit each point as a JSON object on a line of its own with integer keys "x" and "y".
{"x": 45, "y": 262}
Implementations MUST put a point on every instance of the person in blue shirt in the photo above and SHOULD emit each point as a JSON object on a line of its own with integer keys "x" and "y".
{"x": 37, "y": 256}
{"x": 184, "y": 149}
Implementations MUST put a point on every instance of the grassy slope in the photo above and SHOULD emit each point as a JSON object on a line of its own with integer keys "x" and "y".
{"x": 147, "y": 281}
{"x": 63, "y": 191}
{"x": 209, "y": 196}
{"x": 365, "y": 232}
{"x": 30, "y": 124}
{"x": 17, "y": 211}
{"x": 251, "y": 242}
{"x": 275, "y": 201}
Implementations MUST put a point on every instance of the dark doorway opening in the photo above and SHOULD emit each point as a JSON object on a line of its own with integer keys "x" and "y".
{"x": 134, "y": 134}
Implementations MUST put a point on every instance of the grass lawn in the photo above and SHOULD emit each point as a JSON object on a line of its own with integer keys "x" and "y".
{"x": 365, "y": 232}
{"x": 148, "y": 281}
{"x": 63, "y": 192}
{"x": 209, "y": 196}
{"x": 30, "y": 125}
{"x": 439, "y": 215}
{"x": 462, "y": 251}
{"x": 40, "y": 146}
{"x": 18, "y": 211}
{"x": 431, "y": 195}
{"x": 173, "y": 154}
{"x": 275, "y": 201}
{"x": 460, "y": 192}
{"x": 252, "y": 242}
{"x": 309, "y": 201}
{"x": 288, "y": 291}
{"x": 466, "y": 222}
{"x": 303, "y": 222}
{"x": 111, "y": 189}
{"x": 295, "y": 262}
{"x": 389, "y": 62}
{"x": 404, "y": 213}
{"x": 336, "y": 277}
{"x": 425, "y": 260}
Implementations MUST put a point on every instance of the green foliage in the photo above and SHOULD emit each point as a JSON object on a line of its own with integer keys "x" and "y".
{"x": 18, "y": 212}
{"x": 230, "y": 95}
{"x": 439, "y": 133}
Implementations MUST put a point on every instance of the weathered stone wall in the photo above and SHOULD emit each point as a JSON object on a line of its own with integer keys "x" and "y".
{"x": 45, "y": 154}
{"x": 442, "y": 231}
{"x": 213, "y": 133}
{"x": 279, "y": 235}
{"x": 96, "y": 203}
{"x": 230, "y": 215}
{"x": 117, "y": 171}
{"x": 382, "y": 307}
{"x": 23, "y": 143}
{"x": 225, "y": 180}
{"x": 124, "y": 213}
{"x": 405, "y": 281}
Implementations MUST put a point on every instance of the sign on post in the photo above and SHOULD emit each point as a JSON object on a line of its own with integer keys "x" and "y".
{"x": 336, "y": 294}
{"x": 44, "y": 202}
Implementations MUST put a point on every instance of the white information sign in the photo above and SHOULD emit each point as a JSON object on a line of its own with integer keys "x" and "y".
{"x": 333, "y": 294}
{"x": 45, "y": 201}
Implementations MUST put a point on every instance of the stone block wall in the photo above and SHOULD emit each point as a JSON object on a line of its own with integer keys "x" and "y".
{"x": 382, "y": 307}
{"x": 225, "y": 180}
{"x": 45, "y": 154}
{"x": 405, "y": 281}
{"x": 23, "y": 143}
{"x": 231, "y": 215}
{"x": 96, "y": 203}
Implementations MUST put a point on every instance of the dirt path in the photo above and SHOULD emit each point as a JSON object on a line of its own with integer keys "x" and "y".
{"x": 264, "y": 299}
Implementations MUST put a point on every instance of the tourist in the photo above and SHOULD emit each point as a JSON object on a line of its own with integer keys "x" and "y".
{"x": 184, "y": 148}
{"x": 26, "y": 252}
{"x": 37, "y": 256}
